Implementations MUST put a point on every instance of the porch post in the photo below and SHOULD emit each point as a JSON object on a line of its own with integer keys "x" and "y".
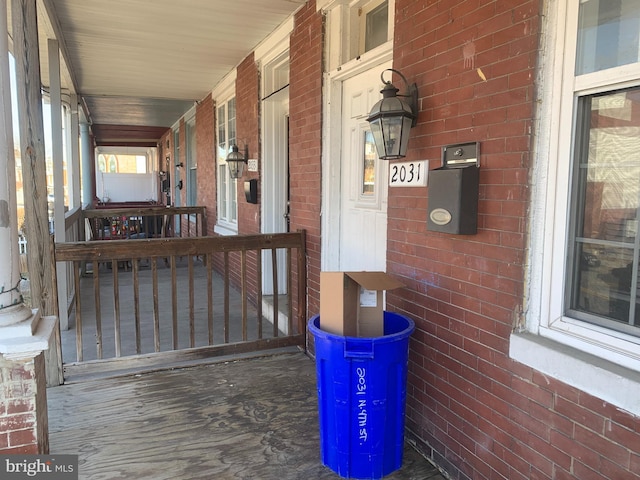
{"x": 39, "y": 255}
{"x": 74, "y": 168}
{"x": 60, "y": 227}
{"x": 24, "y": 336}
{"x": 12, "y": 308}
{"x": 87, "y": 165}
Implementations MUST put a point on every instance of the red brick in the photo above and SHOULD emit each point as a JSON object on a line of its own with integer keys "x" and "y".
{"x": 596, "y": 442}
{"x": 541, "y": 396}
{"x": 31, "y": 449}
{"x": 20, "y": 406}
{"x": 19, "y": 438}
{"x": 620, "y": 435}
{"x": 609, "y": 469}
{"x": 578, "y": 414}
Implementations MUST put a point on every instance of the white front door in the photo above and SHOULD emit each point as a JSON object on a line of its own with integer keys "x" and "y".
{"x": 275, "y": 167}
{"x": 275, "y": 185}
{"x": 364, "y": 179}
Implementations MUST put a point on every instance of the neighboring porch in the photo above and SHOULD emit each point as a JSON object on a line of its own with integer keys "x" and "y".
{"x": 239, "y": 418}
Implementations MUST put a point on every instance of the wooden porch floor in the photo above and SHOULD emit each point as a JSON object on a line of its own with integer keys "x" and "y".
{"x": 252, "y": 418}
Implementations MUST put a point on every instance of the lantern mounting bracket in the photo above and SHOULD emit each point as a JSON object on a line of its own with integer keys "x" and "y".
{"x": 411, "y": 92}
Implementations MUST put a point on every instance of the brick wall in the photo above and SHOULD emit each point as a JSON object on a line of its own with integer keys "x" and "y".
{"x": 479, "y": 414}
{"x": 248, "y": 125}
{"x": 305, "y": 133}
{"x": 206, "y": 155}
{"x": 23, "y": 406}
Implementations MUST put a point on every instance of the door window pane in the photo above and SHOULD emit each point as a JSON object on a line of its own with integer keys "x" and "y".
{"x": 369, "y": 165}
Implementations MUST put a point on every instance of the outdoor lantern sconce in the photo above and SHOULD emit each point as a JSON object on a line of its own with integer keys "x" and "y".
{"x": 392, "y": 117}
{"x": 237, "y": 161}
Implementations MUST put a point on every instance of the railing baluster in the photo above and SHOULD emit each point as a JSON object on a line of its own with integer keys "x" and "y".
{"x": 302, "y": 282}
{"x": 289, "y": 295}
{"x": 192, "y": 319}
{"x": 226, "y": 297}
{"x": 156, "y": 312}
{"x": 76, "y": 281}
{"x": 174, "y": 302}
{"x": 116, "y": 308}
{"x": 259, "y": 291}
{"x": 243, "y": 292}
{"x": 274, "y": 272}
{"x": 136, "y": 301}
{"x": 96, "y": 291}
{"x": 210, "y": 297}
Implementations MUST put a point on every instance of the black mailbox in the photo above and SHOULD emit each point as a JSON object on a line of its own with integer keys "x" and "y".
{"x": 453, "y": 191}
{"x": 251, "y": 190}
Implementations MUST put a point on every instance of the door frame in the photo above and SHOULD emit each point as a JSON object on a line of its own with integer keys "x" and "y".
{"x": 332, "y": 148}
{"x": 275, "y": 162}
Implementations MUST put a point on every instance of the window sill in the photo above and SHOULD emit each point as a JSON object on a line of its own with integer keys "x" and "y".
{"x": 601, "y": 378}
{"x": 224, "y": 230}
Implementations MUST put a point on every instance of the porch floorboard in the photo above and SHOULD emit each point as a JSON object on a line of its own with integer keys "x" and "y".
{"x": 252, "y": 418}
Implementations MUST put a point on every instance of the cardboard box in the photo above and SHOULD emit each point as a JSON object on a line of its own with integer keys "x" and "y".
{"x": 352, "y": 303}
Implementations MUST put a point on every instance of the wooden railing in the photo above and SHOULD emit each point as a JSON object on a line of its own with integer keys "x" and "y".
{"x": 146, "y": 222}
{"x": 73, "y": 232}
{"x": 162, "y": 302}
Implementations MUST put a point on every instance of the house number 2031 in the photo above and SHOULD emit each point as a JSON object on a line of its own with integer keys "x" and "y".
{"x": 409, "y": 174}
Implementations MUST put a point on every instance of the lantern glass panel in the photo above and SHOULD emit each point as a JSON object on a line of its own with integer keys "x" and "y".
{"x": 236, "y": 169}
{"x": 376, "y": 131}
{"x": 404, "y": 137}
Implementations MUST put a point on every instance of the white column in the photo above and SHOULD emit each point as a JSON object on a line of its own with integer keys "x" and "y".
{"x": 56, "y": 139}
{"x": 74, "y": 139}
{"x": 24, "y": 334}
{"x": 87, "y": 160}
{"x": 12, "y": 308}
{"x": 60, "y": 228}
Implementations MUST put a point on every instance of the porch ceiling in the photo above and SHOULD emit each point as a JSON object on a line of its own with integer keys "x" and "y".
{"x": 143, "y": 64}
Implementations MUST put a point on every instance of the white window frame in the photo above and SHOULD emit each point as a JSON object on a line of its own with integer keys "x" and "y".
{"x": 226, "y": 224}
{"x": 597, "y": 360}
{"x": 344, "y": 36}
{"x": 360, "y": 16}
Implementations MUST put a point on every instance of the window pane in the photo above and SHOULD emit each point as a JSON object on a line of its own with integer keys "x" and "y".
{"x": 193, "y": 187}
{"x": 232, "y": 122}
{"x": 222, "y": 134}
{"x": 369, "y": 164}
{"x": 376, "y": 25}
{"x": 233, "y": 199}
{"x": 222, "y": 190}
{"x": 608, "y": 34}
{"x": 606, "y": 245}
{"x": 227, "y": 202}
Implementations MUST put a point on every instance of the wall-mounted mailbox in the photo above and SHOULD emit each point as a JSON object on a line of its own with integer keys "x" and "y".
{"x": 251, "y": 190}
{"x": 453, "y": 191}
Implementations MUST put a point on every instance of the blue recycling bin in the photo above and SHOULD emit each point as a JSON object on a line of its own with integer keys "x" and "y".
{"x": 362, "y": 385}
